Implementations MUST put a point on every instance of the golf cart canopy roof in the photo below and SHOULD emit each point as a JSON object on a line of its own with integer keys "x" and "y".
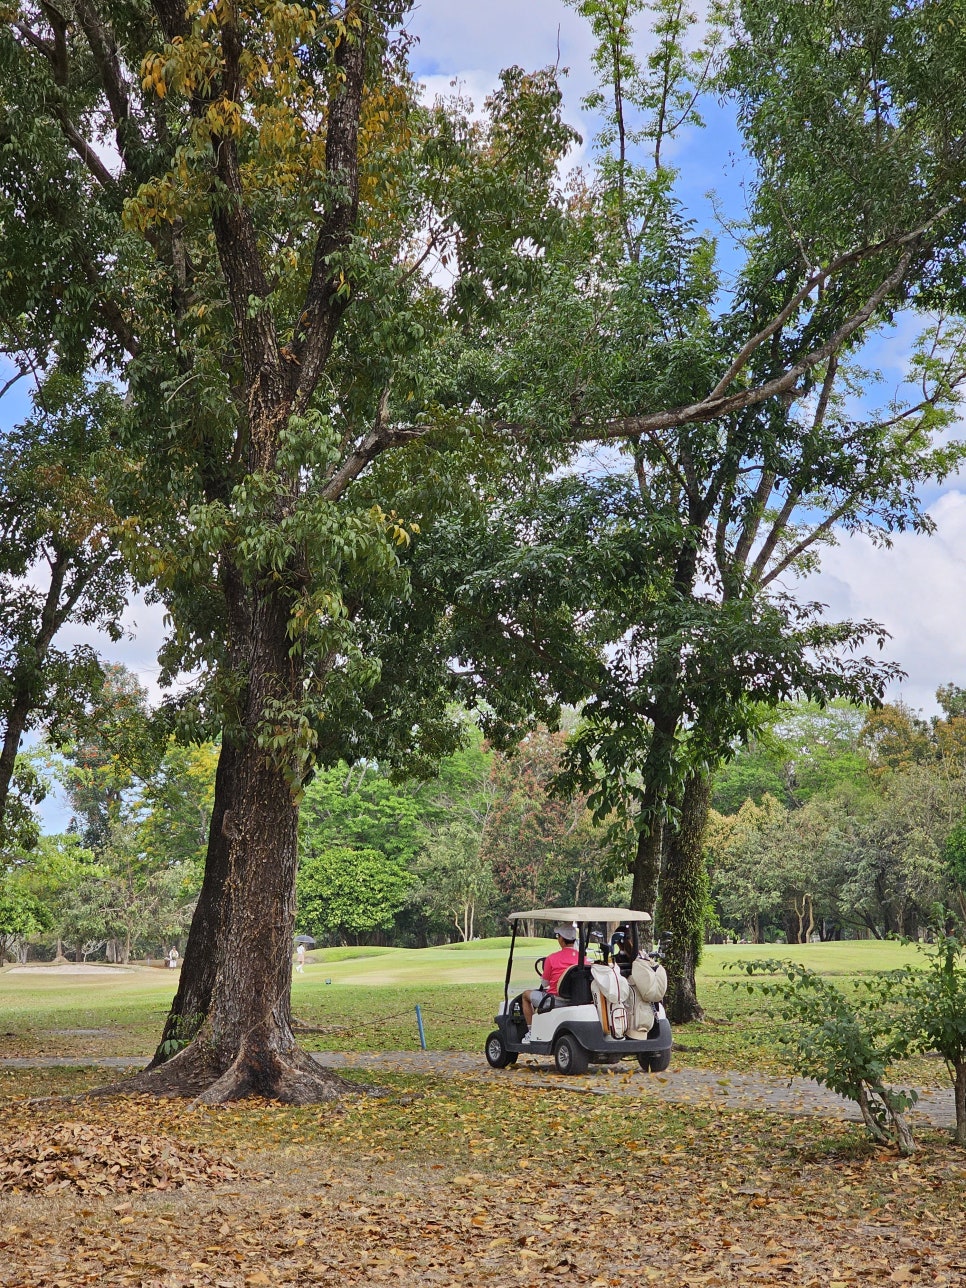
{"x": 579, "y": 914}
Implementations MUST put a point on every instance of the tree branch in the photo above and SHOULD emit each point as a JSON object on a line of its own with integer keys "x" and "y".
{"x": 379, "y": 439}
{"x": 326, "y": 297}
{"x": 86, "y": 153}
{"x": 109, "y": 309}
{"x": 103, "y": 49}
{"x": 794, "y": 494}
{"x": 814, "y": 282}
{"x": 810, "y": 539}
{"x": 714, "y": 406}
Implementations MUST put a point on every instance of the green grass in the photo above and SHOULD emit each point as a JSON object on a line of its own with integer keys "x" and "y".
{"x": 364, "y": 999}
{"x": 444, "y": 1167}
{"x": 348, "y": 953}
{"x": 848, "y": 957}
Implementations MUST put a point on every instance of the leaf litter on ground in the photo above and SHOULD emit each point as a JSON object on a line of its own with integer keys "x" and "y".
{"x": 93, "y": 1158}
{"x": 452, "y": 1181}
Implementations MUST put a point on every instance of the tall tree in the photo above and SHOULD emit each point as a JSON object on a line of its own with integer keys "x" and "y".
{"x": 109, "y": 748}
{"x": 747, "y": 447}
{"x": 257, "y": 261}
{"x": 60, "y": 564}
{"x": 456, "y": 879}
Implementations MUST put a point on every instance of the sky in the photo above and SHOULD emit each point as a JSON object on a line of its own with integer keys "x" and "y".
{"x": 917, "y": 589}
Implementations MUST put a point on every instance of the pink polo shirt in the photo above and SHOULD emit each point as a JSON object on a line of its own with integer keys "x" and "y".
{"x": 555, "y": 966}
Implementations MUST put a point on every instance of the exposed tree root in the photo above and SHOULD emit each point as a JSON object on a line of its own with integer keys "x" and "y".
{"x": 197, "y": 1074}
{"x": 294, "y": 1080}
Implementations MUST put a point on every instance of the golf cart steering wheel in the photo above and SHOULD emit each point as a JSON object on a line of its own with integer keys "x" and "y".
{"x": 538, "y": 966}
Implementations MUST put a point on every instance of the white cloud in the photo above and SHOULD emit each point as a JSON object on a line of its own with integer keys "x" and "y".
{"x": 916, "y": 589}
{"x": 459, "y": 39}
{"x": 143, "y": 626}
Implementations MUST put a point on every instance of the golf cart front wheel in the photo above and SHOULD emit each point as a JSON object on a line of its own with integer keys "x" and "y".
{"x": 569, "y": 1056}
{"x": 497, "y": 1055}
{"x": 654, "y": 1061}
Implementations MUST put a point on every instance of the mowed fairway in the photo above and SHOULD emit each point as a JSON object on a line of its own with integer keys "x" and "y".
{"x": 358, "y": 999}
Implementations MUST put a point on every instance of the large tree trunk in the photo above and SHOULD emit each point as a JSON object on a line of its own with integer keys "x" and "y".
{"x": 646, "y": 868}
{"x": 207, "y": 937}
{"x": 682, "y": 901}
{"x": 229, "y": 1033}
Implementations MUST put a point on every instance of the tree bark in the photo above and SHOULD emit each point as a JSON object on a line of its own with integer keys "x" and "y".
{"x": 232, "y": 1017}
{"x": 208, "y": 934}
{"x": 646, "y": 868}
{"x": 682, "y": 900}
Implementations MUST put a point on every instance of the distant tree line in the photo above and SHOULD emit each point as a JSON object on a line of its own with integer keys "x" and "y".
{"x": 842, "y": 822}
{"x": 416, "y": 863}
{"x": 123, "y": 878}
{"x": 409, "y": 863}
{"x": 831, "y": 823}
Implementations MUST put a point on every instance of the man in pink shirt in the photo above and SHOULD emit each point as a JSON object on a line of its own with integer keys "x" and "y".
{"x": 554, "y": 967}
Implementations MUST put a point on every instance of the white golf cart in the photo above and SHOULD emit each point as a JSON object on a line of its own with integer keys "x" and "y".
{"x": 607, "y": 1006}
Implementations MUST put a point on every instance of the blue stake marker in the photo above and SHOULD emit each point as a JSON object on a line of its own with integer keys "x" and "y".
{"x": 419, "y": 1022}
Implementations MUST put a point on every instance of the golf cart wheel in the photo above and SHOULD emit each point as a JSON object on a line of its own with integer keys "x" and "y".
{"x": 569, "y": 1056}
{"x": 654, "y": 1061}
{"x": 497, "y": 1055}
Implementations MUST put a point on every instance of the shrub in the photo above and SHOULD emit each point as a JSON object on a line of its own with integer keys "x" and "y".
{"x": 936, "y": 1000}
{"x": 845, "y": 1043}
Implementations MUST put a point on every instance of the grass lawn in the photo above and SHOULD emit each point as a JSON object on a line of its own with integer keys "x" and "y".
{"x": 365, "y": 999}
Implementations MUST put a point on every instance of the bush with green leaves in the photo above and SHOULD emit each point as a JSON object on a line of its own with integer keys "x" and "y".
{"x": 936, "y": 1002}
{"x": 21, "y": 915}
{"x": 347, "y": 895}
{"x": 844, "y": 1041}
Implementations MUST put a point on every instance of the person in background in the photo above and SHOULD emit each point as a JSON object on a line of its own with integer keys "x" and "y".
{"x": 554, "y": 967}
{"x": 624, "y": 948}
{"x": 300, "y": 959}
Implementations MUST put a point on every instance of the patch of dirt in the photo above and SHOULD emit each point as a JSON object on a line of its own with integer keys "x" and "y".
{"x": 82, "y": 1033}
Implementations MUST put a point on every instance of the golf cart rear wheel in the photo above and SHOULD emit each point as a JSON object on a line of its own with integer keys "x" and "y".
{"x": 654, "y": 1061}
{"x": 569, "y": 1056}
{"x": 496, "y": 1053}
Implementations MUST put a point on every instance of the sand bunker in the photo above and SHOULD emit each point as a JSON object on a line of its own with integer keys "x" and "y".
{"x": 69, "y": 968}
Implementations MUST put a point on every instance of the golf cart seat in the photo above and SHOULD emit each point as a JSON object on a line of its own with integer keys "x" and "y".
{"x": 574, "y": 986}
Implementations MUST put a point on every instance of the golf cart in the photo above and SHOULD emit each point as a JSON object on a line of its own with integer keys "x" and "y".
{"x": 607, "y": 1006}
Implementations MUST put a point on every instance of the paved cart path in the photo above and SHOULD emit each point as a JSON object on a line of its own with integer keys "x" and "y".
{"x": 683, "y": 1086}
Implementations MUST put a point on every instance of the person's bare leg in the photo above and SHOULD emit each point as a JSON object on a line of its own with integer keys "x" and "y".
{"x": 527, "y": 1009}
